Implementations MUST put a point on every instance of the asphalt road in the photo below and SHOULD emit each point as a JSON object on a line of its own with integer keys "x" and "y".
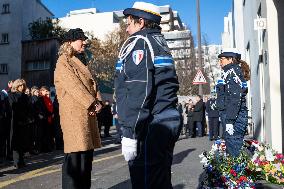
{"x": 110, "y": 171}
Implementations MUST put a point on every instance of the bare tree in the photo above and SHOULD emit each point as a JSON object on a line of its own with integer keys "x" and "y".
{"x": 104, "y": 55}
{"x": 209, "y": 64}
{"x": 186, "y": 66}
{"x": 206, "y": 72}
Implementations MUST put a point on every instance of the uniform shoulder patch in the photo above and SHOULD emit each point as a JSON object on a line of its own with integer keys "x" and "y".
{"x": 160, "y": 39}
{"x": 137, "y": 56}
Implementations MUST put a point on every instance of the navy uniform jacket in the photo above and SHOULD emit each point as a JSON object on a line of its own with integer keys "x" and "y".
{"x": 211, "y": 108}
{"x": 145, "y": 81}
{"x": 231, "y": 91}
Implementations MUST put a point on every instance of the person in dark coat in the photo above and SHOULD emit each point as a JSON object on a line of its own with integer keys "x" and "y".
{"x": 198, "y": 115}
{"x": 190, "y": 122}
{"x": 231, "y": 99}
{"x": 213, "y": 118}
{"x": 47, "y": 119}
{"x": 116, "y": 123}
{"x": 21, "y": 118}
{"x": 57, "y": 128}
{"x": 5, "y": 124}
{"x": 106, "y": 118}
{"x": 2, "y": 135}
{"x": 36, "y": 137}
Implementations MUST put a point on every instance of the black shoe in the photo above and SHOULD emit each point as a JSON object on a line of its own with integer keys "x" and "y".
{"x": 117, "y": 142}
{"x": 108, "y": 135}
{"x": 20, "y": 165}
{"x": 34, "y": 152}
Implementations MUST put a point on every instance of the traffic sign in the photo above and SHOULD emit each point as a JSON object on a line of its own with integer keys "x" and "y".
{"x": 260, "y": 24}
{"x": 199, "y": 78}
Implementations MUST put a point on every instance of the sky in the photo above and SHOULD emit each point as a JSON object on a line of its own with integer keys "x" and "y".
{"x": 212, "y": 12}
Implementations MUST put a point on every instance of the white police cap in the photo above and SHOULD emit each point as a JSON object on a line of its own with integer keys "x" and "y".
{"x": 230, "y": 52}
{"x": 144, "y": 10}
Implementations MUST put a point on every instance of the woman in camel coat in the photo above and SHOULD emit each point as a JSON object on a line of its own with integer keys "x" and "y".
{"x": 78, "y": 102}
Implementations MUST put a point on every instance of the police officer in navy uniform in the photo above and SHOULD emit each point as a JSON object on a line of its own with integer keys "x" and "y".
{"x": 231, "y": 99}
{"x": 146, "y": 88}
{"x": 213, "y": 117}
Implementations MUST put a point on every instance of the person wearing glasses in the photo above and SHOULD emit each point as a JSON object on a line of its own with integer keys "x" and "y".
{"x": 231, "y": 99}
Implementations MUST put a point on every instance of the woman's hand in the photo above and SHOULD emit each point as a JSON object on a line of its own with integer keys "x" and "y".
{"x": 98, "y": 107}
{"x": 92, "y": 113}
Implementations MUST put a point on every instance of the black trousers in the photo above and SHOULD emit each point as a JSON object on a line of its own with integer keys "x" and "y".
{"x": 213, "y": 127}
{"x": 76, "y": 170}
{"x": 151, "y": 169}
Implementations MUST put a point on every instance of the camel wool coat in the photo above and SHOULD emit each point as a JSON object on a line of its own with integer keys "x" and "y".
{"x": 76, "y": 93}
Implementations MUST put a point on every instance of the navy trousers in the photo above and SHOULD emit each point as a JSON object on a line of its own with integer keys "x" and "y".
{"x": 213, "y": 127}
{"x": 199, "y": 128}
{"x": 151, "y": 169}
{"x": 234, "y": 142}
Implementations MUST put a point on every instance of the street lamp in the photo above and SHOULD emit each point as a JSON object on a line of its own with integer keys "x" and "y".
{"x": 200, "y": 91}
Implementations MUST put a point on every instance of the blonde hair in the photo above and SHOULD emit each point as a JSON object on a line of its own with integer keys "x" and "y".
{"x": 66, "y": 49}
{"x": 17, "y": 83}
{"x": 33, "y": 89}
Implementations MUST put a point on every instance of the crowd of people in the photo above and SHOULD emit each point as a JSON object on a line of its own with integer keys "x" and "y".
{"x": 201, "y": 117}
{"x": 29, "y": 121}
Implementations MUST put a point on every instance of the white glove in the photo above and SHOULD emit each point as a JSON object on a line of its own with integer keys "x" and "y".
{"x": 230, "y": 129}
{"x": 129, "y": 148}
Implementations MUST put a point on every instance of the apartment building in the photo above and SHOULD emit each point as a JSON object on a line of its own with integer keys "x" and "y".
{"x": 14, "y": 21}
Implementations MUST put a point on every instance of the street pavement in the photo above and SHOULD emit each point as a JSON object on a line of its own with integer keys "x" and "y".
{"x": 110, "y": 171}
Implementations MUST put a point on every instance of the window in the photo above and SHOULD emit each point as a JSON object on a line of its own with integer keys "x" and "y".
{"x": 38, "y": 65}
{"x": 5, "y": 9}
{"x": 5, "y": 38}
{"x": 3, "y": 68}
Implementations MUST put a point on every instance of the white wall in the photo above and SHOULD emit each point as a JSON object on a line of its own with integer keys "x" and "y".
{"x": 265, "y": 74}
{"x": 275, "y": 127}
{"x": 239, "y": 26}
{"x": 98, "y": 24}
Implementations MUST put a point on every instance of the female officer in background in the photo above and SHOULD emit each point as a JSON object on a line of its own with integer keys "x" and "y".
{"x": 231, "y": 99}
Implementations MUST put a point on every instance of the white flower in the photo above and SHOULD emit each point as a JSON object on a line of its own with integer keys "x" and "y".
{"x": 205, "y": 161}
{"x": 201, "y": 155}
{"x": 255, "y": 145}
{"x": 254, "y": 157}
{"x": 269, "y": 155}
{"x": 258, "y": 169}
{"x": 260, "y": 148}
{"x": 214, "y": 147}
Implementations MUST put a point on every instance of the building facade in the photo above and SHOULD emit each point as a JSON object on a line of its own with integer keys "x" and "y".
{"x": 39, "y": 58}
{"x": 212, "y": 68}
{"x": 95, "y": 23}
{"x": 14, "y": 22}
{"x": 261, "y": 46}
